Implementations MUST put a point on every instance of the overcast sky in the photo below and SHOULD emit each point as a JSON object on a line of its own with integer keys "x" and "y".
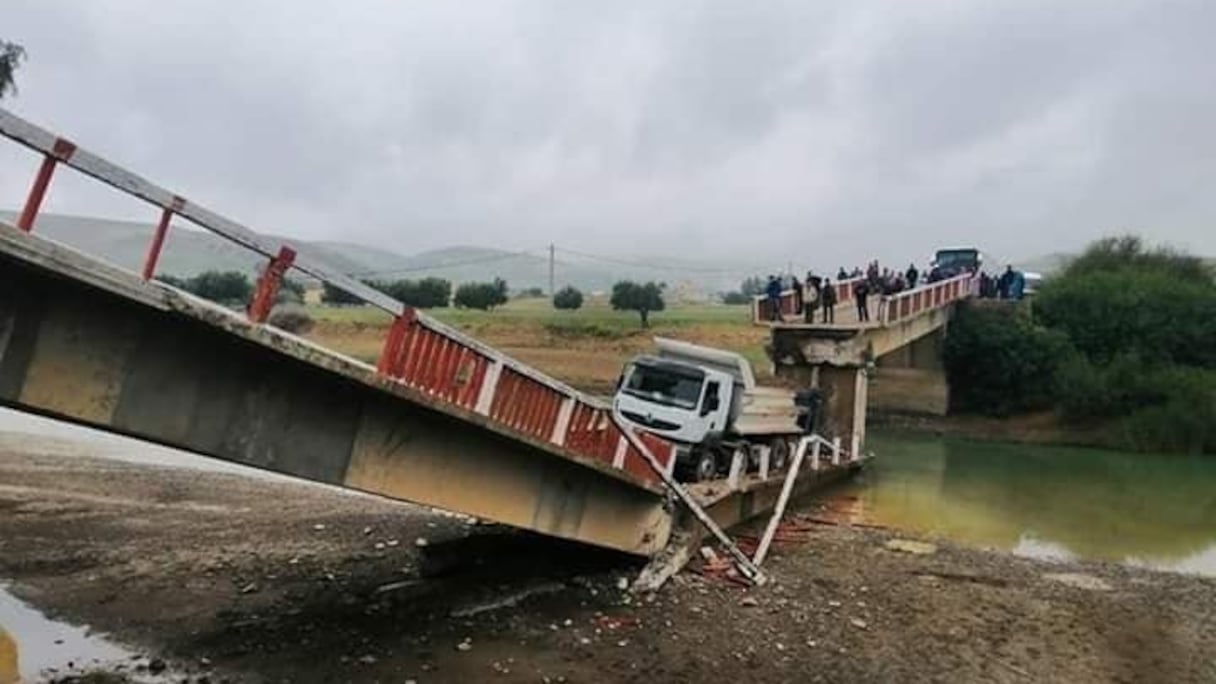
{"x": 770, "y": 131}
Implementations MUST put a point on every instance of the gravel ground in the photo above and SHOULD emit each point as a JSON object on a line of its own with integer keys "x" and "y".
{"x": 230, "y": 578}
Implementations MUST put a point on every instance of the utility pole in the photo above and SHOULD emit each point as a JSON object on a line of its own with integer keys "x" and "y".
{"x": 552, "y": 291}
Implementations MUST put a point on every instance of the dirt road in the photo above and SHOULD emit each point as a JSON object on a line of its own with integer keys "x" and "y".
{"x": 237, "y": 579}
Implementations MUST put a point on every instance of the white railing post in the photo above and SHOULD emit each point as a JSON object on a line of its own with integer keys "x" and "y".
{"x": 562, "y": 425}
{"x": 737, "y": 462}
{"x": 815, "y": 454}
{"x": 856, "y": 447}
{"x": 836, "y": 451}
{"x": 618, "y": 459}
{"x": 765, "y": 451}
{"x": 485, "y": 397}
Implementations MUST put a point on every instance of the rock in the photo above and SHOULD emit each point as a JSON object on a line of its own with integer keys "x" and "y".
{"x": 568, "y": 622}
{"x": 367, "y": 531}
{"x": 420, "y": 542}
{"x": 379, "y": 546}
{"x": 833, "y": 604}
{"x": 912, "y": 546}
{"x": 749, "y": 602}
{"x": 249, "y": 588}
{"x": 859, "y": 623}
{"x": 318, "y": 527}
{"x": 204, "y": 661}
{"x": 392, "y": 542}
{"x": 1079, "y": 580}
{"x": 622, "y": 583}
{"x": 368, "y": 659}
{"x": 156, "y": 666}
{"x": 465, "y": 645}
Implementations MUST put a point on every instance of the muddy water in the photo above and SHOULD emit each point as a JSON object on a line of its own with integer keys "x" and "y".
{"x": 32, "y": 646}
{"x": 1061, "y": 503}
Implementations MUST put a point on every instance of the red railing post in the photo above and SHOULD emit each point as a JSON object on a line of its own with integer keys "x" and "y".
{"x": 268, "y": 285}
{"x": 392, "y": 357}
{"x": 62, "y": 150}
{"x": 158, "y": 239}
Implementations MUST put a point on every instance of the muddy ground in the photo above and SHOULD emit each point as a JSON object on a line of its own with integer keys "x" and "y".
{"x": 234, "y": 579}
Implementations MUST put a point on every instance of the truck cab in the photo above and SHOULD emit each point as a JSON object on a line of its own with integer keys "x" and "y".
{"x": 679, "y": 401}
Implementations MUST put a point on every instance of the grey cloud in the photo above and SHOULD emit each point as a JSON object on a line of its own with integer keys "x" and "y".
{"x": 822, "y": 133}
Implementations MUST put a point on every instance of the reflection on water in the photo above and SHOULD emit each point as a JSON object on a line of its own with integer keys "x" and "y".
{"x": 1046, "y": 502}
{"x": 30, "y": 644}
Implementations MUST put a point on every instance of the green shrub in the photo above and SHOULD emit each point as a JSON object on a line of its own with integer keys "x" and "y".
{"x": 568, "y": 298}
{"x": 484, "y": 296}
{"x": 999, "y": 362}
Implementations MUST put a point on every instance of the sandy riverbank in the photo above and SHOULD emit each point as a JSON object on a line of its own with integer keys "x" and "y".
{"x": 228, "y": 577}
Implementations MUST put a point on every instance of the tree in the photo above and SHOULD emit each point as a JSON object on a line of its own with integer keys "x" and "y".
{"x": 752, "y": 286}
{"x": 336, "y": 295}
{"x": 11, "y": 56}
{"x": 290, "y": 292}
{"x": 736, "y": 298}
{"x": 998, "y": 362}
{"x": 484, "y": 296}
{"x": 225, "y": 287}
{"x": 568, "y": 298}
{"x": 428, "y": 293}
{"x": 642, "y": 298}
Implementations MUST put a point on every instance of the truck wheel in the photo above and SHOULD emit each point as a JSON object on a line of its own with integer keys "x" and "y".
{"x": 779, "y": 454}
{"x": 705, "y": 466}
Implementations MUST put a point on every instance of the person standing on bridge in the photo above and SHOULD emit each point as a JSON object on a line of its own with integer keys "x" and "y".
{"x": 842, "y": 274}
{"x": 828, "y": 296}
{"x": 861, "y": 292}
{"x": 911, "y": 276}
{"x": 810, "y": 296}
{"x": 773, "y": 290}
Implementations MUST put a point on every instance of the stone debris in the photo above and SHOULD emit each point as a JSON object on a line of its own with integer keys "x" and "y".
{"x": 1079, "y": 580}
{"x": 749, "y": 602}
{"x": 912, "y": 546}
{"x": 465, "y": 645}
{"x": 859, "y": 623}
{"x": 318, "y": 527}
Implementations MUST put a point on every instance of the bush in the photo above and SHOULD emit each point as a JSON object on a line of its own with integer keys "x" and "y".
{"x": 568, "y": 298}
{"x": 292, "y": 319}
{"x": 998, "y": 362}
{"x": 484, "y": 296}
{"x": 642, "y": 298}
{"x": 428, "y": 293}
{"x": 335, "y": 295}
{"x": 735, "y": 298}
{"x": 532, "y": 293}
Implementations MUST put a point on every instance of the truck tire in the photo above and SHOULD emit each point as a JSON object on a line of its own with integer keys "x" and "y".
{"x": 700, "y": 467}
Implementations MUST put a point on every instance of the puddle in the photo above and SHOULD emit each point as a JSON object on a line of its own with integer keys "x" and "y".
{"x": 34, "y": 648}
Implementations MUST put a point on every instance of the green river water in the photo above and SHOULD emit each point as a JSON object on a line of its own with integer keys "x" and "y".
{"x": 1063, "y": 503}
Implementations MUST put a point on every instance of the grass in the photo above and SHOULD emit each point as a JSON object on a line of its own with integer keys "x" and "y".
{"x": 585, "y": 348}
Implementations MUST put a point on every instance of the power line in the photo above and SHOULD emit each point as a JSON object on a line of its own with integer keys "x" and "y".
{"x": 661, "y": 267}
{"x": 450, "y": 264}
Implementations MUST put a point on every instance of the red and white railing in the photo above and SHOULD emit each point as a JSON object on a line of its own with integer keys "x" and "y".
{"x": 904, "y": 305}
{"x": 445, "y": 365}
{"x": 791, "y": 301}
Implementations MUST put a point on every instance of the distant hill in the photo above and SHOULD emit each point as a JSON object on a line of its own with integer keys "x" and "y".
{"x": 189, "y": 251}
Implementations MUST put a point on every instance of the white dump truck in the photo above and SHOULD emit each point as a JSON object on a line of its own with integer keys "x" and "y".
{"x": 706, "y": 401}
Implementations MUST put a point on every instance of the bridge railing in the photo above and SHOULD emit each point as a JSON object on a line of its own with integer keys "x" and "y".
{"x": 419, "y": 352}
{"x": 791, "y": 300}
{"x": 910, "y": 303}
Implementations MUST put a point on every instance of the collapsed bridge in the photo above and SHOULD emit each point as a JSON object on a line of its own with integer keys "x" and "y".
{"x": 442, "y": 420}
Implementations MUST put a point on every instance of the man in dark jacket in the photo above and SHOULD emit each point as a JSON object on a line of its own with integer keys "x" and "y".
{"x": 773, "y": 290}
{"x": 911, "y": 275}
{"x": 828, "y": 296}
{"x": 861, "y": 292}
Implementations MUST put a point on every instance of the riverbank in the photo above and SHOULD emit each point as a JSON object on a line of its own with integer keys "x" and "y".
{"x": 239, "y": 579}
{"x": 1033, "y": 428}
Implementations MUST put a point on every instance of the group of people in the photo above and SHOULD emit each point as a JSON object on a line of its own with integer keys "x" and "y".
{"x": 1009, "y": 285}
{"x": 819, "y": 294}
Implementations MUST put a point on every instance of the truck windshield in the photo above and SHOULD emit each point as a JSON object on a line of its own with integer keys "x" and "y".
{"x": 665, "y": 385}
